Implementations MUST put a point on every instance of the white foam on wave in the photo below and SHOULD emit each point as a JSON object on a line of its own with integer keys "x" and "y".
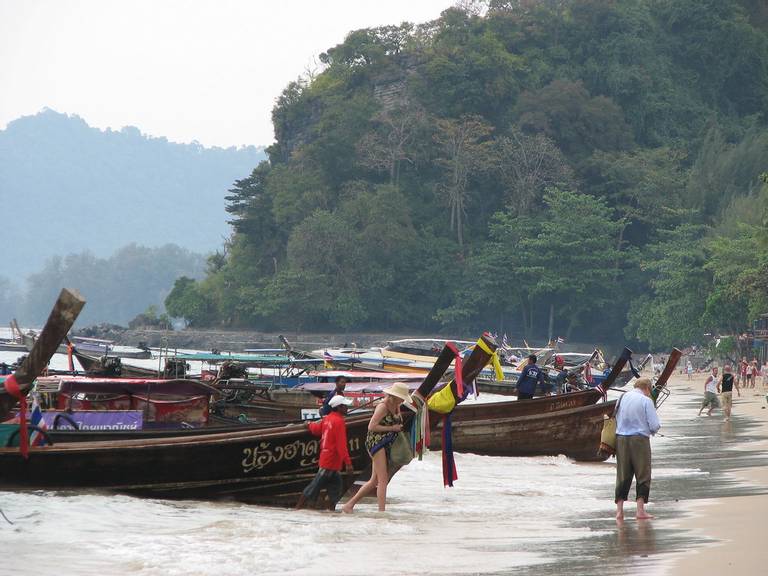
{"x": 498, "y": 509}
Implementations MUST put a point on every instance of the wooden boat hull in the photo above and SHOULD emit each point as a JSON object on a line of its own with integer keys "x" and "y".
{"x": 574, "y": 432}
{"x": 228, "y": 423}
{"x": 288, "y": 408}
{"x": 270, "y": 466}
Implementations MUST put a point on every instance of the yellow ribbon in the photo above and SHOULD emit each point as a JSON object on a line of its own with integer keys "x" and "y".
{"x": 494, "y": 359}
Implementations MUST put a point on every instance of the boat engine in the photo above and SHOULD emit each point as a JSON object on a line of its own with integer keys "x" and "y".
{"x": 175, "y": 368}
{"x": 230, "y": 370}
{"x": 107, "y": 367}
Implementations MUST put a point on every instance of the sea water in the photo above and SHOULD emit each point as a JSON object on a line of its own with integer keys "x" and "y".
{"x": 540, "y": 515}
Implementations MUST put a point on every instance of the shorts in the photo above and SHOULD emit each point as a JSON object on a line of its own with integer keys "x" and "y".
{"x": 710, "y": 399}
{"x": 727, "y": 399}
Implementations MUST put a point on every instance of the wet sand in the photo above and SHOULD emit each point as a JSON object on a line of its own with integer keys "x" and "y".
{"x": 736, "y": 525}
{"x": 544, "y": 516}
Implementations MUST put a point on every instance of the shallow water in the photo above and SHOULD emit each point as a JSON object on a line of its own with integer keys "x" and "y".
{"x": 542, "y": 515}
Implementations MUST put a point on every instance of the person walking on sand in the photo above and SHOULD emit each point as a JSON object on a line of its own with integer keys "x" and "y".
{"x": 710, "y": 393}
{"x": 726, "y": 384}
{"x": 383, "y": 428}
{"x": 636, "y": 422}
{"x": 750, "y": 383}
{"x": 689, "y": 369}
{"x": 742, "y": 375}
{"x": 334, "y": 453}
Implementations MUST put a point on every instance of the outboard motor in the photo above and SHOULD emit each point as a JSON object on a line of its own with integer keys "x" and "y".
{"x": 107, "y": 367}
{"x": 231, "y": 370}
{"x": 175, "y": 368}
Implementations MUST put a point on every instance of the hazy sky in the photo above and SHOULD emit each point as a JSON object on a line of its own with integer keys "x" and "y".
{"x": 205, "y": 70}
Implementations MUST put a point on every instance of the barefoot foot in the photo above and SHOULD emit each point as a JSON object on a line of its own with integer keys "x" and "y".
{"x": 643, "y": 516}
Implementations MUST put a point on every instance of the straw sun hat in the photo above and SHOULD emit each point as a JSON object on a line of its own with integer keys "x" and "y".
{"x": 400, "y": 390}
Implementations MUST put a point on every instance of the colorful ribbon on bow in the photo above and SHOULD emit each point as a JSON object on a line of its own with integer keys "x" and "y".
{"x": 12, "y": 387}
{"x": 449, "y": 463}
{"x": 494, "y": 359}
{"x": 420, "y": 429}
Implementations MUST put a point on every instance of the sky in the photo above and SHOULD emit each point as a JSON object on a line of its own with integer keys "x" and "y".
{"x": 190, "y": 70}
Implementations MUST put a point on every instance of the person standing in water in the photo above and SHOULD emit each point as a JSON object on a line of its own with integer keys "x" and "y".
{"x": 725, "y": 385}
{"x": 334, "y": 454}
{"x": 383, "y": 428}
{"x": 636, "y": 422}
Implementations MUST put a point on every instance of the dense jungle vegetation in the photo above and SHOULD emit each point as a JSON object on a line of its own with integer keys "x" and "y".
{"x": 589, "y": 168}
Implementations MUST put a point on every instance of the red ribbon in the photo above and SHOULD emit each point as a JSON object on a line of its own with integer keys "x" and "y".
{"x": 70, "y": 349}
{"x": 12, "y": 387}
{"x": 457, "y": 371}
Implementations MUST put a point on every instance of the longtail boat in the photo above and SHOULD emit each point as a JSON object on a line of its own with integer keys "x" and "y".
{"x": 94, "y": 346}
{"x": 573, "y": 432}
{"x": 96, "y": 365}
{"x": 269, "y": 466}
{"x": 546, "y": 427}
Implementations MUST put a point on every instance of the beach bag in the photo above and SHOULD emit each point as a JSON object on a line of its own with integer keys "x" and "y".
{"x": 401, "y": 452}
{"x": 608, "y": 435}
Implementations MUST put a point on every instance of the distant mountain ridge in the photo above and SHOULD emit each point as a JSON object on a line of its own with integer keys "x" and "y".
{"x": 67, "y": 187}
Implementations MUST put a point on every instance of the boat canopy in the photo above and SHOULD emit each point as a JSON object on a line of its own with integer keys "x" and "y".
{"x": 356, "y": 387}
{"x": 261, "y": 359}
{"x": 366, "y": 374}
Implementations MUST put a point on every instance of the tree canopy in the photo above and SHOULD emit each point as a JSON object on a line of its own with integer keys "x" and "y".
{"x": 587, "y": 167}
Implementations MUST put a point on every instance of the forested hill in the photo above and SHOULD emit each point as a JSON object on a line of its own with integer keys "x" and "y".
{"x": 66, "y": 187}
{"x": 594, "y": 163}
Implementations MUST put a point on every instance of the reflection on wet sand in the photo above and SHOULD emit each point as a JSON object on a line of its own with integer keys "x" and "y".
{"x": 635, "y": 538}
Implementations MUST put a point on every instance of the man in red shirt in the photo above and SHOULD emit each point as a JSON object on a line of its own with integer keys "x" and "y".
{"x": 334, "y": 453}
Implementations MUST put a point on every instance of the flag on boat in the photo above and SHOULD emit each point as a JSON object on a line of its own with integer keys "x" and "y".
{"x": 327, "y": 358}
{"x": 602, "y": 390}
{"x": 560, "y": 340}
{"x": 504, "y": 341}
{"x": 37, "y": 438}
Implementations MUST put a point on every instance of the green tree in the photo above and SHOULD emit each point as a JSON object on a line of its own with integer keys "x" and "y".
{"x": 576, "y": 121}
{"x": 670, "y": 314}
{"x": 464, "y": 150}
{"x": 187, "y": 301}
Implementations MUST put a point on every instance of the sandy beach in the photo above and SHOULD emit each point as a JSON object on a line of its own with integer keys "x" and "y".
{"x": 735, "y": 524}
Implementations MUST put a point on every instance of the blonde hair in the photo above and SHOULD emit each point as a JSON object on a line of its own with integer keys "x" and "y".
{"x": 644, "y": 383}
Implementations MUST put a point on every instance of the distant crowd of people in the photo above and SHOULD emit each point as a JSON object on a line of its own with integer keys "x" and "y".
{"x": 747, "y": 372}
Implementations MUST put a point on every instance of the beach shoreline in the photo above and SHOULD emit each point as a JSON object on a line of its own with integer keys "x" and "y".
{"x": 735, "y": 525}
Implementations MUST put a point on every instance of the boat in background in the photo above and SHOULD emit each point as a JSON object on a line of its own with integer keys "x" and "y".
{"x": 93, "y": 346}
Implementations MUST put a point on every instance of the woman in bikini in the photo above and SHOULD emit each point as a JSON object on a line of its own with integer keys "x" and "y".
{"x": 383, "y": 428}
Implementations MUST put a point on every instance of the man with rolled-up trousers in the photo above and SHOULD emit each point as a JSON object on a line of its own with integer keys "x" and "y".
{"x": 636, "y": 422}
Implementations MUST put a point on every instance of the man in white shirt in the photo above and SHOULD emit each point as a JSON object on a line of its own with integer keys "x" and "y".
{"x": 636, "y": 422}
{"x": 710, "y": 393}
